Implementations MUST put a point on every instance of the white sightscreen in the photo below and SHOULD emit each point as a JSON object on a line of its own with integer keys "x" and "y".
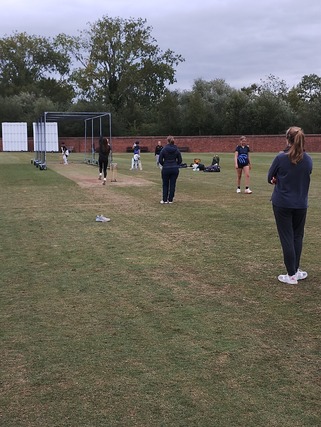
{"x": 14, "y": 136}
{"x": 51, "y": 137}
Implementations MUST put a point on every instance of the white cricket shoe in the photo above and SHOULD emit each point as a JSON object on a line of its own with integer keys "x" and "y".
{"x": 290, "y": 280}
{"x": 300, "y": 275}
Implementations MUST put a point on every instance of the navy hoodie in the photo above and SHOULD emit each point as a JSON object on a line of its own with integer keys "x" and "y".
{"x": 292, "y": 181}
{"x": 170, "y": 156}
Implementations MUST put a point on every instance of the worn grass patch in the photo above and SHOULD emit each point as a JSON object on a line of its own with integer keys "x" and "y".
{"x": 168, "y": 315}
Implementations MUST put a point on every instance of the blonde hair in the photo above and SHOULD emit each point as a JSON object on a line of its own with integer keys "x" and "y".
{"x": 242, "y": 140}
{"x": 296, "y": 139}
{"x": 170, "y": 139}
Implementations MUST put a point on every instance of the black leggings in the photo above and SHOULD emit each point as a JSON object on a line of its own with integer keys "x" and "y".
{"x": 290, "y": 225}
{"x": 103, "y": 163}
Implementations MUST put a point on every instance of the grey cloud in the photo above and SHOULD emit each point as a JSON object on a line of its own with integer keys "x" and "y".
{"x": 241, "y": 41}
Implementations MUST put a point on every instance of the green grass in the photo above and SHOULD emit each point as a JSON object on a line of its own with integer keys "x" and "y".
{"x": 169, "y": 315}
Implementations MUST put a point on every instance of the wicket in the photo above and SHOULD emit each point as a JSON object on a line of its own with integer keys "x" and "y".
{"x": 113, "y": 168}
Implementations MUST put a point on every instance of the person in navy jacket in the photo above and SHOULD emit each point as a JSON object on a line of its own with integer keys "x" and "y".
{"x": 290, "y": 174}
{"x": 169, "y": 158}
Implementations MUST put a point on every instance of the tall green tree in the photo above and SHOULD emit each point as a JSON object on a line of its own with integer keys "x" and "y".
{"x": 305, "y": 99}
{"x": 32, "y": 64}
{"x": 121, "y": 64}
{"x": 310, "y": 87}
{"x": 195, "y": 111}
{"x": 24, "y": 107}
{"x": 168, "y": 114}
{"x": 204, "y": 107}
{"x": 274, "y": 85}
{"x": 235, "y": 113}
{"x": 268, "y": 114}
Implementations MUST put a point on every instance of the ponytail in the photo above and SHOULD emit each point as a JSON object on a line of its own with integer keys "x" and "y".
{"x": 170, "y": 139}
{"x": 296, "y": 139}
{"x": 104, "y": 145}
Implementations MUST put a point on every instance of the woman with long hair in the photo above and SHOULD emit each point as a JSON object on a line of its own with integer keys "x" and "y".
{"x": 169, "y": 158}
{"x": 290, "y": 174}
{"x": 104, "y": 151}
{"x": 242, "y": 165}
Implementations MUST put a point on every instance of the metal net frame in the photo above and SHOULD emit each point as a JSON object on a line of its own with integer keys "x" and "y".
{"x": 88, "y": 118}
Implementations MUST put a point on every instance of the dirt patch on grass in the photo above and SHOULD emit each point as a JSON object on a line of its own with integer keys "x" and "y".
{"x": 87, "y": 177}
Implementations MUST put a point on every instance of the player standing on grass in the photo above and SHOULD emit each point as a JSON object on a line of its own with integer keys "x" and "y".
{"x": 158, "y": 149}
{"x": 290, "y": 173}
{"x": 169, "y": 158}
{"x": 65, "y": 154}
{"x": 104, "y": 151}
{"x": 242, "y": 164}
{"x": 136, "y": 162}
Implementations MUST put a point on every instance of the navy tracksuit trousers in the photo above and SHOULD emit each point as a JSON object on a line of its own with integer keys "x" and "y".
{"x": 169, "y": 176}
{"x": 290, "y": 225}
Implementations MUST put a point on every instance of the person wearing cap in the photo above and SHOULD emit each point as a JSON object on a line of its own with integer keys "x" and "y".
{"x": 136, "y": 162}
{"x": 169, "y": 158}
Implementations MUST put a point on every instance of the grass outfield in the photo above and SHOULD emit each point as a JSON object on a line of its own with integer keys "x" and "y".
{"x": 168, "y": 315}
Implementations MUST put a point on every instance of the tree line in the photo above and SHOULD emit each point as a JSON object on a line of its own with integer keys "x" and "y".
{"x": 115, "y": 65}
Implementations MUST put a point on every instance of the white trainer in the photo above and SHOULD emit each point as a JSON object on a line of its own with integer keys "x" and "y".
{"x": 290, "y": 280}
{"x": 102, "y": 218}
{"x": 162, "y": 202}
{"x": 301, "y": 275}
{"x": 238, "y": 190}
{"x": 247, "y": 191}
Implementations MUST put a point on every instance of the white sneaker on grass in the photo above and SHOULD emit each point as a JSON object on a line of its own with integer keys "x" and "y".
{"x": 290, "y": 280}
{"x": 162, "y": 202}
{"x": 300, "y": 275}
{"x": 247, "y": 191}
{"x": 102, "y": 218}
{"x": 238, "y": 190}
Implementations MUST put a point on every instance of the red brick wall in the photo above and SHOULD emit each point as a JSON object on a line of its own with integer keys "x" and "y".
{"x": 198, "y": 144}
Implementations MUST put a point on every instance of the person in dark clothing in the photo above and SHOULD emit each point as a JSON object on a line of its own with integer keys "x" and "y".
{"x": 169, "y": 158}
{"x": 104, "y": 151}
{"x": 158, "y": 149}
{"x": 290, "y": 173}
{"x": 242, "y": 165}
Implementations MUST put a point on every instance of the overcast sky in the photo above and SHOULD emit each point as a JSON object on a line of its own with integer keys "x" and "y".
{"x": 240, "y": 41}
